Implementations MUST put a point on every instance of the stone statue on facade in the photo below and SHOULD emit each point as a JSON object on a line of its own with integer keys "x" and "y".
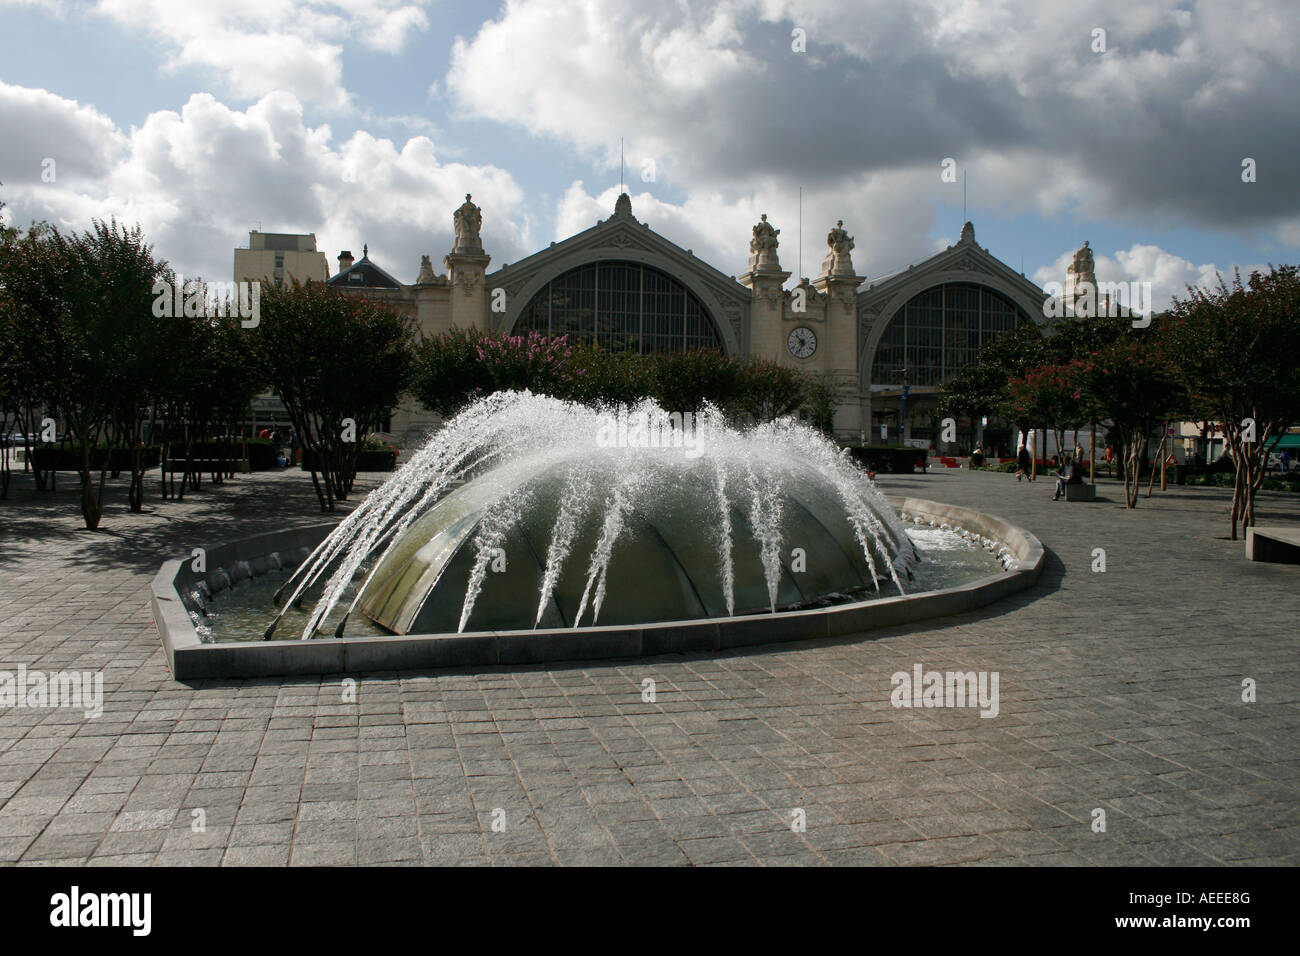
{"x": 1083, "y": 262}
{"x": 838, "y": 261}
{"x": 1080, "y": 293}
{"x": 468, "y": 220}
{"x": 762, "y": 247}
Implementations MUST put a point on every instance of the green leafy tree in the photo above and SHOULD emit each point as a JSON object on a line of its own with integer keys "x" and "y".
{"x": 821, "y": 397}
{"x": 206, "y": 394}
{"x": 339, "y": 363}
{"x": 684, "y": 381}
{"x": 447, "y": 372}
{"x": 768, "y": 391}
{"x": 600, "y": 377}
{"x": 11, "y": 393}
{"x": 982, "y": 388}
{"x": 84, "y": 303}
{"x": 1132, "y": 384}
{"x": 1234, "y": 350}
{"x": 1049, "y": 396}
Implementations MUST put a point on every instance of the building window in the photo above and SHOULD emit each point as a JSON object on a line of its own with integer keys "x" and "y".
{"x": 939, "y": 332}
{"x": 621, "y": 306}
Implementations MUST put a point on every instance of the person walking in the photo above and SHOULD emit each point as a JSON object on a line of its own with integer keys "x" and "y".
{"x": 1023, "y": 464}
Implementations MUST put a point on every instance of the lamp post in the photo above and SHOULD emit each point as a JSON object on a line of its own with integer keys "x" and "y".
{"x": 902, "y": 410}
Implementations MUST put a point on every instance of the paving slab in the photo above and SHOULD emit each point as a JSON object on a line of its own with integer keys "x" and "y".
{"x": 1120, "y": 691}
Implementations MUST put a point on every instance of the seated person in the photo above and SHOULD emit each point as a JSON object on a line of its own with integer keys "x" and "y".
{"x": 1067, "y": 474}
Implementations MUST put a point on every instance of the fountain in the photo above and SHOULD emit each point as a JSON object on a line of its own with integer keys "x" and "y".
{"x": 530, "y": 529}
{"x": 571, "y": 516}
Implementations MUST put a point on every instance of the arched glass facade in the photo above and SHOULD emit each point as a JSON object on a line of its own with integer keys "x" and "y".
{"x": 938, "y": 332}
{"x": 621, "y": 306}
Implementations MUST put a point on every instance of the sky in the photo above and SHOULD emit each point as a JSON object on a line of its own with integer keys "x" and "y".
{"x": 1165, "y": 134}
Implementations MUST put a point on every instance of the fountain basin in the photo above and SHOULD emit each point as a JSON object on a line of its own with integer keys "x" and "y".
{"x": 189, "y": 657}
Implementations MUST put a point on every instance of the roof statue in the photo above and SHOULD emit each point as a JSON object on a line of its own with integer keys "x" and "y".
{"x": 468, "y": 220}
{"x": 838, "y": 261}
{"x": 1083, "y": 265}
{"x": 762, "y": 248}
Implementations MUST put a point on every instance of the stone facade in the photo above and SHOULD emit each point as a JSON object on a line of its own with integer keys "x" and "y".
{"x": 828, "y": 325}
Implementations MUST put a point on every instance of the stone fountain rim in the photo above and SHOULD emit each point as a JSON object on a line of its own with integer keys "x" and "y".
{"x": 190, "y": 659}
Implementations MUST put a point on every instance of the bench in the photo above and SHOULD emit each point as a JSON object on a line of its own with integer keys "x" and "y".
{"x": 1273, "y": 544}
{"x": 1083, "y": 492}
{"x": 177, "y": 465}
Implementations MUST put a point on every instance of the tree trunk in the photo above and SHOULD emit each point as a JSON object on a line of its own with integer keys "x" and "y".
{"x": 1092, "y": 456}
{"x": 1160, "y": 454}
{"x": 91, "y": 504}
{"x": 1237, "y": 495}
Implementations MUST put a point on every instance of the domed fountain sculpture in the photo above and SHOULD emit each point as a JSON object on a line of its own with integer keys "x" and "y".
{"x": 573, "y": 517}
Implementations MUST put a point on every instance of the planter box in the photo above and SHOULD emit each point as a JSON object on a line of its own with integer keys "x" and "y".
{"x": 366, "y": 461}
{"x": 261, "y": 456}
{"x": 888, "y": 458}
{"x": 61, "y": 458}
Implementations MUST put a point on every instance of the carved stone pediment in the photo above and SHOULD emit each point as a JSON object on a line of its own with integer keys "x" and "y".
{"x": 621, "y": 240}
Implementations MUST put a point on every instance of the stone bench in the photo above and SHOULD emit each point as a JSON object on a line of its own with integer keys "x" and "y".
{"x": 1084, "y": 492}
{"x": 1273, "y": 544}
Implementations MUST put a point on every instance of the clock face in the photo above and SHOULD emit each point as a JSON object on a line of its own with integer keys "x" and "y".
{"x": 802, "y": 342}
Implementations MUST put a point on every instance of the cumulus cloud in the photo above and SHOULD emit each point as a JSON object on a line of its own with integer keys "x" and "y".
{"x": 255, "y": 47}
{"x": 199, "y": 179}
{"x": 392, "y": 28}
{"x": 1156, "y": 124}
{"x": 1169, "y": 274}
{"x": 36, "y": 126}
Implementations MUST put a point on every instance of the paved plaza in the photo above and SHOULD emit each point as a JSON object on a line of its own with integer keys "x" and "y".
{"x": 1119, "y": 691}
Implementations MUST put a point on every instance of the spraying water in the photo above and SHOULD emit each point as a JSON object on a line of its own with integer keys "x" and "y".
{"x": 525, "y": 511}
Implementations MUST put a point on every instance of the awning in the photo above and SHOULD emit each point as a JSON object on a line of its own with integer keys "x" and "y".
{"x": 1288, "y": 441}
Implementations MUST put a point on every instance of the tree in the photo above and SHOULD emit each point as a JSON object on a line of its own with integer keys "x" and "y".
{"x": 10, "y": 390}
{"x": 767, "y": 391}
{"x": 684, "y": 381}
{"x": 1130, "y": 383}
{"x": 206, "y": 392}
{"x": 1079, "y": 337}
{"x": 604, "y": 378}
{"x": 1051, "y": 396}
{"x": 1233, "y": 348}
{"x": 821, "y": 398}
{"x": 982, "y": 387}
{"x": 459, "y": 366}
{"x": 447, "y": 373}
{"x": 83, "y": 303}
{"x": 339, "y": 363}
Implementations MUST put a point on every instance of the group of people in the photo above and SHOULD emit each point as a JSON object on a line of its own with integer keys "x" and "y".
{"x": 1069, "y": 472}
{"x": 286, "y": 446}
